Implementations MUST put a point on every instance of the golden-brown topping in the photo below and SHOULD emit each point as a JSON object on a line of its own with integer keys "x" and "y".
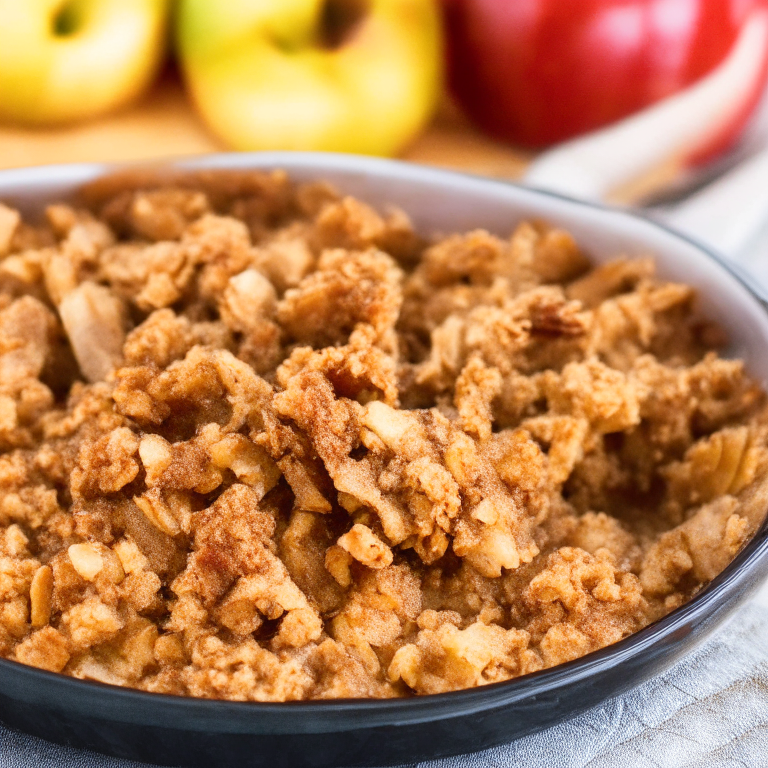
{"x": 260, "y": 442}
{"x": 40, "y": 594}
{"x": 366, "y": 547}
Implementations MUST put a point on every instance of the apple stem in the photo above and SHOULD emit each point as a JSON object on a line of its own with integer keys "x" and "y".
{"x": 67, "y": 21}
{"x": 339, "y": 20}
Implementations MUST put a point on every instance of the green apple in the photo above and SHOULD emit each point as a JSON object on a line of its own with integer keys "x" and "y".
{"x": 336, "y": 75}
{"x": 63, "y": 61}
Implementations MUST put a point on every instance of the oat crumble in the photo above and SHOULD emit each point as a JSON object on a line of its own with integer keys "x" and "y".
{"x": 261, "y": 442}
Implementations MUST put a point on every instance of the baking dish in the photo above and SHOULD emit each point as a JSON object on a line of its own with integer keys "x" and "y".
{"x": 171, "y": 730}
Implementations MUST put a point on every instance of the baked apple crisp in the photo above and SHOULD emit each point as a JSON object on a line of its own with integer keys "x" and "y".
{"x": 259, "y": 441}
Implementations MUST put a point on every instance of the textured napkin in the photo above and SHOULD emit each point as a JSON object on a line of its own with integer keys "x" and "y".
{"x": 709, "y": 711}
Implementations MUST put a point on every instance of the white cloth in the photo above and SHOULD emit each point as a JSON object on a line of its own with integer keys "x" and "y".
{"x": 709, "y": 711}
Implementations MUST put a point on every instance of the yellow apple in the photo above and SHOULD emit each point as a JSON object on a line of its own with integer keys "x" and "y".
{"x": 336, "y": 75}
{"x": 63, "y": 61}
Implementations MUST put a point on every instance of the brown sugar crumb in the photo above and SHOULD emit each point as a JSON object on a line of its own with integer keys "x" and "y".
{"x": 262, "y": 442}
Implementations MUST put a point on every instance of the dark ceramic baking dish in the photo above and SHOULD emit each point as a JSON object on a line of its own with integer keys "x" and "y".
{"x": 171, "y": 730}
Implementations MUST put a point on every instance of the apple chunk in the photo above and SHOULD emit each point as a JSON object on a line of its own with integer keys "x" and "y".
{"x": 337, "y": 75}
{"x": 64, "y": 61}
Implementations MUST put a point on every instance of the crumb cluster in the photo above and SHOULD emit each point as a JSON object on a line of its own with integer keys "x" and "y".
{"x": 261, "y": 442}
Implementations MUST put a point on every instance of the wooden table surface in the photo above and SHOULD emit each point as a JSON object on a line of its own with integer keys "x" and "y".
{"x": 164, "y": 124}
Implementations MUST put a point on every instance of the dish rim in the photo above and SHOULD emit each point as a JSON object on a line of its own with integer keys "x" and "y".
{"x": 341, "y": 714}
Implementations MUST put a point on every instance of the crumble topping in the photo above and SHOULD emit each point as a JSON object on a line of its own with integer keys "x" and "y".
{"x": 259, "y": 441}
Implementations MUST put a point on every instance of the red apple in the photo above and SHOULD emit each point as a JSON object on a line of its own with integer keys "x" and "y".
{"x": 537, "y": 72}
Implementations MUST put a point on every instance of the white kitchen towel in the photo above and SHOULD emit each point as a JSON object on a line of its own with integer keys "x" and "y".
{"x": 709, "y": 711}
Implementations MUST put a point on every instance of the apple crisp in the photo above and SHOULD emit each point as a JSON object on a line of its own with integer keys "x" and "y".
{"x": 259, "y": 441}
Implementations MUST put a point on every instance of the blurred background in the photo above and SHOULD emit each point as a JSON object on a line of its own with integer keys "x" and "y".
{"x": 655, "y": 103}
